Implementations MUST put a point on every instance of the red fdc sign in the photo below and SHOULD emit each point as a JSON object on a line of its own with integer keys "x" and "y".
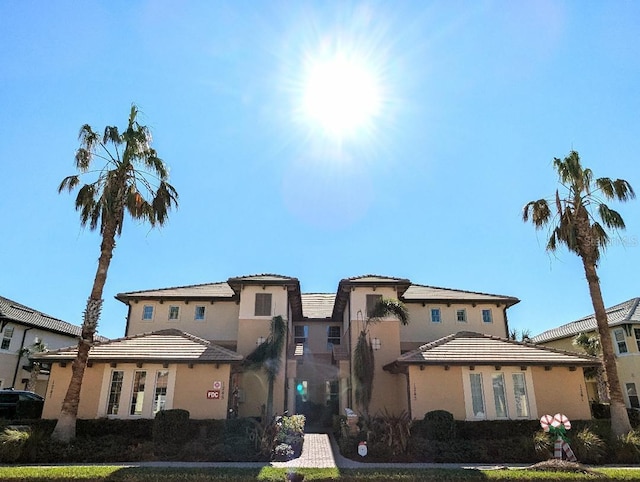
{"x": 213, "y": 394}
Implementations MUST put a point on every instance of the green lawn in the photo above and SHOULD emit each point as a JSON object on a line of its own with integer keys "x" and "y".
{"x": 146, "y": 474}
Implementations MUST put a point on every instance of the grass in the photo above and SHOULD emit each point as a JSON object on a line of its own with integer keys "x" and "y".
{"x": 152, "y": 474}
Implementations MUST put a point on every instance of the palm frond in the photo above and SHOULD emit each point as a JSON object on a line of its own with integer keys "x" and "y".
{"x": 363, "y": 370}
{"x": 69, "y": 183}
{"x": 538, "y": 211}
{"x": 390, "y": 307}
{"x": 610, "y": 218}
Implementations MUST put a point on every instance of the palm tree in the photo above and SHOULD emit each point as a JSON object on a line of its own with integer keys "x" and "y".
{"x": 580, "y": 221}
{"x": 590, "y": 344}
{"x": 131, "y": 178}
{"x": 268, "y": 356}
{"x": 363, "y": 359}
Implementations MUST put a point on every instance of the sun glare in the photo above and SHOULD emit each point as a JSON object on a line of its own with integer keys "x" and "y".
{"x": 340, "y": 95}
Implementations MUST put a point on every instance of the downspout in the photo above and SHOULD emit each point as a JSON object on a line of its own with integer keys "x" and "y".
{"x": 15, "y": 373}
{"x": 350, "y": 389}
{"x": 406, "y": 374}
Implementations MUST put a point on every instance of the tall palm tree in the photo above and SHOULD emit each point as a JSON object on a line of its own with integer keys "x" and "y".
{"x": 580, "y": 220}
{"x": 35, "y": 364}
{"x": 130, "y": 178}
{"x": 363, "y": 358}
{"x": 268, "y": 356}
{"x": 590, "y": 344}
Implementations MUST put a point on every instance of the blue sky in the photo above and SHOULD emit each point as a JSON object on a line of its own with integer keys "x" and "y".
{"x": 478, "y": 98}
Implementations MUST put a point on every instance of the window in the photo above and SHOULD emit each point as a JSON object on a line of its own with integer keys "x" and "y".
{"x": 137, "y": 394}
{"x": 435, "y": 315}
{"x": 372, "y": 301}
{"x": 632, "y": 394}
{"x": 520, "y": 394}
{"x": 147, "y": 312}
{"x": 461, "y": 315}
{"x": 499, "y": 395}
{"x": 332, "y": 389}
{"x": 7, "y": 334}
{"x": 160, "y": 392}
{"x": 636, "y": 332}
{"x": 333, "y": 336}
{"x": 300, "y": 334}
{"x": 199, "y": 313}
{"x": 486, "y": 316}
{"x": 114, "y": 392}
{"x": 263, "y": 304}
{"x": 477, "y": 397}
{"x": 620, "y": 342}
{"x": 174, "y": 312}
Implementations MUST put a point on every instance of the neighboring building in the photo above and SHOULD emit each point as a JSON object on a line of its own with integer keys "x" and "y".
{"x": 624, "y": 325}
{"x": 22, "y": 327}
{"x": 183, "y": 348}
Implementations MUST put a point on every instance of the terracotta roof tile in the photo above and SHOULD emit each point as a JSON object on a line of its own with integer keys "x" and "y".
{"x": 468, "y": 348}
{"x": 317, "y": 305}
{"x": 423, "y": 292}
{"x": 207, "y": 290}
{"x": 165, "y": 345}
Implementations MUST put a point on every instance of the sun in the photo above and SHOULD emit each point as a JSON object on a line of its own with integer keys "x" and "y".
{"x": 341, "y": 95}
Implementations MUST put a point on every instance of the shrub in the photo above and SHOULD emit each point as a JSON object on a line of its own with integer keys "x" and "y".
{"x": 588, "y": 447}
{"x": 171, "y": 426}
{"x": 29, "y": 409}
{"x": 627, "y": 448}
{"x": 439, "y": 425}
{"x": 543, "y": 444}
{"x": 600, "y": 410}
{"x": 12, "y": 442}
{"x": 393, "y": 431}
{"x": 283, "y": 452}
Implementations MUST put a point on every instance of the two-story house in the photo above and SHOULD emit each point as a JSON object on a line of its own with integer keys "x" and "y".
{"x": 184, "y": 346}
{"x": 624, "y": 324}
{"x": 23, "y": 329}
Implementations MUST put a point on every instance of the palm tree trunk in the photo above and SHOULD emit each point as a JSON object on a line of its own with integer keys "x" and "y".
{"x": 601, "y": 384}
{"x": 619, "y": 418}
{"x": 269, "y": 408}
{"x": 65, "y": 429}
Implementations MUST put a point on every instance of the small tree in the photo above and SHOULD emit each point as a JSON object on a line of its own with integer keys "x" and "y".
{"x": 363, "y": 358}
{"x": 591, "y": 346}
{"x": 268, "y": 356}
{"x": 579, "y": 219}
{"x": 34, "y": 363}
{"x": 132, "y": 179}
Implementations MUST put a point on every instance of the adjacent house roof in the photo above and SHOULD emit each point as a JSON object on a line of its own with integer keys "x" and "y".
{"x": 436, "y": 294}
{"x": 626, "y": 312}
{"x": 160, "y": 346}
{"x": 373, "y": 280}
{"x": 14, "y": 312}
{"x": 468, "y": 348}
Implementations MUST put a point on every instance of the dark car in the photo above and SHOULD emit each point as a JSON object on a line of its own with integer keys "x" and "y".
{"x": 11, "y": 400}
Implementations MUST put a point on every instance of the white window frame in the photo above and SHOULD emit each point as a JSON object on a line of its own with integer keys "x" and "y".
{"x": 489, "y": 318}
{"x": 174, "y": 309}
{"x": 144, "y": 312}
{"x": 636, "y": 333}
{"x": 487, "y": 374}
{"x": 499, "y": 376}
{"x": 301, "y": 339}
{"x": 618, "y": 343}
{"x": 463, "y": 318}
{"x": 482, "y": 414}
{"x": 627, "y": 391}
{"x": 525, "y": 401}
{"x": 438, "y": 313}
{"x": 7, "y": 335}
{"x": 134, "y": 403}
{"x": 333, "y": 340}
{"x": 202, "y": 316}
{"x": 118, "y": 395}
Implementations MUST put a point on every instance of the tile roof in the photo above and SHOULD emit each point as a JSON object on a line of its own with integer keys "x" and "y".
{"x": 317, "y": 305}
{"x": 207, "y": 290}
{"x": 375, "y": 278}
{"x": 264, "y": 277}
{"x": 423, "y": 292}
{"x": 160, "y": 346}
{"x": 468, "y": 348}
{"x": 21, "y": 314}
{"x": 626, "y": 312}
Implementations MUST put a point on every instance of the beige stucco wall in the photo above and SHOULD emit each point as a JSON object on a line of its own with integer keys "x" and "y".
{"x": 628, "y": 364}
{"x": 279, "y": 301}
{"x": 254, "y": 387}
{"x": 57, "y": 389}
{"x": 191, "y": 387}
{"x": 561, "y": 390}
{"x": 435, "y": 388}
{"x": 422, "y": 329}
{"x": 220, "y": 322}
